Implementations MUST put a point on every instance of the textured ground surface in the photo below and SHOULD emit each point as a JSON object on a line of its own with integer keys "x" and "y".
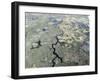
{"x": 56, "y": 40}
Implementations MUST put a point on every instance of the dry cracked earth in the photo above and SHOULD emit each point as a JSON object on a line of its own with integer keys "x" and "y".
{"x": 53, "y": 40}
